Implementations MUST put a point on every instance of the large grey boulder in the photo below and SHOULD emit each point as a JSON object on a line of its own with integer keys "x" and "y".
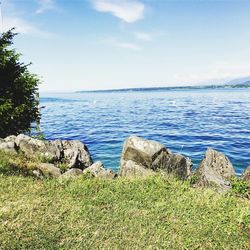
{"x": 132, "y": 169}
{"x": 215, "y": 170}
{"x": 150, "y": 154}
{"x": 48, "y": 170}
{"x": 178, "y": 165}
{"x": 97, "y": 170}
{"x": 76, "y": 154}
{"x": 40, "y": 148}
{"x": 246, "y": 175}
{"x": 154, "y": 156}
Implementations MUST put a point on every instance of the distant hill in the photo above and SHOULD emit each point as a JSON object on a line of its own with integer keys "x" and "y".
{"x": 242, "y": 80}
{"x": 239, "y": 83}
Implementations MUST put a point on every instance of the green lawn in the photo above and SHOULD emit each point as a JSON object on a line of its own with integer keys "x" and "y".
{"x": 89, "y": 213}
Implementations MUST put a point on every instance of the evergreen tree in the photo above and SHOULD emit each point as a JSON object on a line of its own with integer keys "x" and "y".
{"x": 19, "y": 96}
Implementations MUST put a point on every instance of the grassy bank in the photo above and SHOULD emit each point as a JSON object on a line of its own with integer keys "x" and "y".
{"x": 88, "y": 213}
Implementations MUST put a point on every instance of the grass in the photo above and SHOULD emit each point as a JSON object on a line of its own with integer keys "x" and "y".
{"x": 89, "y": 213}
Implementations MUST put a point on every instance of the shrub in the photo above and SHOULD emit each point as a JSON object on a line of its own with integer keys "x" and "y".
{"x": 240, "y": 187}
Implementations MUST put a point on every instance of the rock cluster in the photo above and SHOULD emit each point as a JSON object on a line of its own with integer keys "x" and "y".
{"x": 139, "y": 157}
{"x": 74, "y": 155}
{"x": 142, "y": 157}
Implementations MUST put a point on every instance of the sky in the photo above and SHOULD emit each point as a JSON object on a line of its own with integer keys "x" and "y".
{"x": 110, "y": 44}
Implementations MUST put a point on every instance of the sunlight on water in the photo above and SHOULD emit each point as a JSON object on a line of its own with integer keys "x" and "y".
{"x": 184, "y": 121}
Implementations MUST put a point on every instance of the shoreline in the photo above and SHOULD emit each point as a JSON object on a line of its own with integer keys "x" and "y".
{"x": 140, "y": 157}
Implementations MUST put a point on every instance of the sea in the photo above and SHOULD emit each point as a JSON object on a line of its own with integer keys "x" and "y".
{"x": 186, "y": 121}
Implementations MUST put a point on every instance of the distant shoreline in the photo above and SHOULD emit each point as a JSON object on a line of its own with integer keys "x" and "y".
{"x": 236, "y": 86}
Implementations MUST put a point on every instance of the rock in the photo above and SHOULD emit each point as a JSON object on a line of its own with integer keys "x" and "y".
{"x": 97, "y": 170}
{"x": 38, "y": 173}
{"x": 8, "y": 146}
{"x": 215, "y": 169}
{"x": 131, "y": 169}
{"x": 72, "y": 173}
{"x": 49, "y": 170}
{"x": 143, "y": 152}
{"x": 20, "y": 138}
{"x": 178, "y": 165}
{"x": 59, "y": 145}
{"x": 154, "y": 156}
{"x": 41, "y": 148}
{"x": 10, "y": 138}
{"x": 76, "y": 154}
{"x": 246, "y": 175}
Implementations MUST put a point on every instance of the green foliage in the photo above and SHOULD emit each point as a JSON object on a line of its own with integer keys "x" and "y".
{"x": 18, "y": 90}
{"x": 193, "y": 179}
{"x": 240, "y": 187}
{"x": 63, "y": 166}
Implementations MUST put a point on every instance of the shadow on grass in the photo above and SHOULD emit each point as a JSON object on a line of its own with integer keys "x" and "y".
{"x": 13, "y": 170}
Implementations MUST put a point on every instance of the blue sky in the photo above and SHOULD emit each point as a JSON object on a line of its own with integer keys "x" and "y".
{"x": 103, "y": 44}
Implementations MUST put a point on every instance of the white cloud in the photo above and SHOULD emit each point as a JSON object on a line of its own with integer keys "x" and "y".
{"x": 21, "y": 25}
{"x": 127, "y": 10}
{"x": 17, "y": 18}
{"x": 24, "y": 27}
{"x": 45, "y": 5}
{"x": 143, "y": 36}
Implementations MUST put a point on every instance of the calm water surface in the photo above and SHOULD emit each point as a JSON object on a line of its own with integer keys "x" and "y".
{"x": 187, "y": 121}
